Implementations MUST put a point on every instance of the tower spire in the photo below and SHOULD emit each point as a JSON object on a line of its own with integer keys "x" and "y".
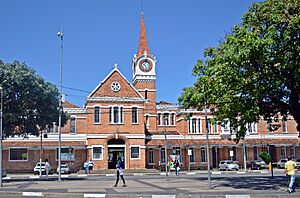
{"x": 143, "y": 42}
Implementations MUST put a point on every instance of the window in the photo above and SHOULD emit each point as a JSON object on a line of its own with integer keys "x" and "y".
{"x": 134, "y": 115}
{"x": 225, "y": 127}
{"x": 216, "y": 127}
{"x": 251, "y": 128}
{"x": 166, "y": 119}
{"x": 284, "y": 125}
{"x": 209, "y": 125}
{"x": 151, "y": 156}
{"x": 162, "y": 155}
{"x": 73, "y": 125}
{"x": 97, "y": 153}
{"x": 146, "y": 94}
{"x": 116, "y": 115}
{"x": 203, "y": 155}
{"x": 159, "y": 118}
{"x": 173, "y": 119}
{"x": 147, "y": 120}
{"x": 18, "y": 154}
{"x": 255, "y": 153}
{"x": 192, "y": 156}
{"x": 194, "y": 127}
{"x": 283, "y": 152}
{"x": 97, "y": 114}
{"x": 67, "y": 153}
{"x": 134, "y": 152}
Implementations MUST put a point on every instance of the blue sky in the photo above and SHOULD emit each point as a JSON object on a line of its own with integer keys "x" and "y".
{"x": 99, "y": 33}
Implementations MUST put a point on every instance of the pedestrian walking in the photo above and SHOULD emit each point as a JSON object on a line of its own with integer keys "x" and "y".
{"x": 290, "y": 166}
{"x": 120, "y": 172}
{"x": 176, "y": 166}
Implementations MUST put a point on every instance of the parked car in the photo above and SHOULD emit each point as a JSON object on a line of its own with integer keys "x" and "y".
{"x": 228, "y": 165}
{"x": 64, "y": 169}
{"x": 297, "y": 163}
{"x": 41, "y": 168}
{"x": 4, "y": 173}
{"x": 257, "y": 165}
{"x": 281, "y": 163}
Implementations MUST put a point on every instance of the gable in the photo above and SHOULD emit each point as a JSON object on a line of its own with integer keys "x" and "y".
{"x": 104, "y": 89}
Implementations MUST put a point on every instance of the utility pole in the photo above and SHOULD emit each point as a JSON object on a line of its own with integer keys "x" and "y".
{"x": 166, "y": 152}
{"x": 207, "y": 148}
{"x": 1, "y": 134}
{"x": 60, "y": 34}
{"x": 41, "y": 150}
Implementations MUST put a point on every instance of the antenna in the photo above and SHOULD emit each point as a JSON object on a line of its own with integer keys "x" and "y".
{"x": 142, "y": 4}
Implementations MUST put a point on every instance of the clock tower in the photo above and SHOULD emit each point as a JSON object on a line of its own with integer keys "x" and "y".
{"x": 144, "y": 76}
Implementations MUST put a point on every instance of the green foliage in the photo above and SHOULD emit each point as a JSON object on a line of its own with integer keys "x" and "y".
{"x": 254, "y": 71}
{"x": 30, "y": 104}
{"x": 265, "y": 157}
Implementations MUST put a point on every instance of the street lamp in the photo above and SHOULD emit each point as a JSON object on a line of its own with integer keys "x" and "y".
{"x": 60, "y": 34}
{"x": 207, "y": 148}
{"x": 166, "y": 152}
{"x": 1, "y": 134}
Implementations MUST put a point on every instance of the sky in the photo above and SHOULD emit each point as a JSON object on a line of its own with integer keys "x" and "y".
{"x": 99, "y": 33}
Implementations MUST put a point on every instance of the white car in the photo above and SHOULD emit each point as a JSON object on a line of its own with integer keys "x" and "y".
{"x": 228, "y": 165}
{"x": 41, "y": 168}
{"x": 64, "y": 169}
{"x": 281, "y": 163}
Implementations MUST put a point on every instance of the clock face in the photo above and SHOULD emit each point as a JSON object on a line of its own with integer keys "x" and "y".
{"x": 145, "y": 65}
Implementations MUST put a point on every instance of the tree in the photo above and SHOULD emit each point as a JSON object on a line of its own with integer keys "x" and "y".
{"x": 254, "y": 72}
{"x": 30, "y": 103}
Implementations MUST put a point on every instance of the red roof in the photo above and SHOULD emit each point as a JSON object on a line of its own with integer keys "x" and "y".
{"x": 143, "y": 42}
{"x": 67, "y": 104}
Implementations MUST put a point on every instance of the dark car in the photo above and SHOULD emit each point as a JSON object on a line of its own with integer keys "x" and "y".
{"x": 257, "y": 165}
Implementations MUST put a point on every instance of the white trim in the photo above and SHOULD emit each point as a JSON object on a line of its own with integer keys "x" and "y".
{"x": 35, "y": 194}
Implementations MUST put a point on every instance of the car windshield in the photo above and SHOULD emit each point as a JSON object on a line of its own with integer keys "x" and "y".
{"x": 230, "y": 162}
{"x": 64, "y": 166}
{"x": 38, "y": 164}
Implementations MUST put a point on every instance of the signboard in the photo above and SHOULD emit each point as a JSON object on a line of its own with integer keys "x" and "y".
{"x": 189, "y": 152}
{"x": 231, "y": 153}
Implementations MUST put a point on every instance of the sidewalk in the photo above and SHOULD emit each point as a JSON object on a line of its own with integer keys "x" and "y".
{"x": 154, "y": 186}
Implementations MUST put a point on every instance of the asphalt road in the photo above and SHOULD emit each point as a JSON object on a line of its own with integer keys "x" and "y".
{"x": 184, "y": 185}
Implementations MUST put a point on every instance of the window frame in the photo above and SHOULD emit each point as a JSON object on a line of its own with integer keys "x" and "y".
{"x": 101, "y": 155}
{"x": 116, "y": 114}
{"x": 139, "y": 152}
{"x": 97, "y": 116}
{"x": 18, "y": 160}
{"x": 74, "y": 118}
{"x": 134, "y": 115}
{"x": 151, "y": 156}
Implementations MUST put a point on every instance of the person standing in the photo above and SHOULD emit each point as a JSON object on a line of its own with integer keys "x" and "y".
{"x": 120, "y": 172}
{"x": 290, "y": 166}
{"x": 47, "y": 167}
{"x": 86, "y": 167}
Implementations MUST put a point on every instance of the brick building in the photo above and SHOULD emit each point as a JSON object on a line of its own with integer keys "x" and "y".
{"x": 123, "y": 119}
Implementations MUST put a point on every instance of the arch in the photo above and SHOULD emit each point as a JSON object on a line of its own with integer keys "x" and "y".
{"x": 115, "y": 141}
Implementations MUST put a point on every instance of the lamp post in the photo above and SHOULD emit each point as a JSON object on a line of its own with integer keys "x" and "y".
{"x": 207, "y": 148}
{"x": 41, "y": 150}
{"x": 60, "y": 34}
{"x": 1, "y": 131}
{"x": 166, "y": 152}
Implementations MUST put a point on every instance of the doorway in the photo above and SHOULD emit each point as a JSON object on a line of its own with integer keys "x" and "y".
{"x": 116, "y": 149}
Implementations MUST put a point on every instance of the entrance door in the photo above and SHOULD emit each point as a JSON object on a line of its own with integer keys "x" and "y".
{"x": 113, "y": 154}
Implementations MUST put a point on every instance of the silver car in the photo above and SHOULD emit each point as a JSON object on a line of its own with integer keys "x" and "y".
{"x": 281, "y": 163}
{"x": 228, "y": 165}
{"x": 64, "y": 169}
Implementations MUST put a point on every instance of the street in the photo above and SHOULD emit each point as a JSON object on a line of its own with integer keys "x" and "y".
{"x": 185, "y": 185}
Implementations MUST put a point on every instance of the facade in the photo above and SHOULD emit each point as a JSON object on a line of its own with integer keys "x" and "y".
{"x": 123, "y": 119}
